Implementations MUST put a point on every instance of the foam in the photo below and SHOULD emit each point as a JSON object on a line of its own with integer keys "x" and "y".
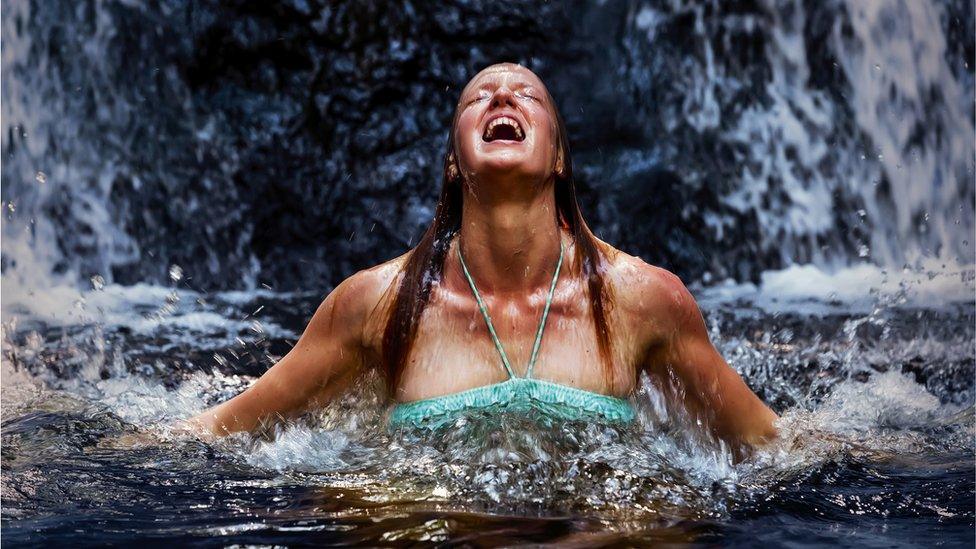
{"x": 143, "y": 308}
{"x": 931, "y": 284}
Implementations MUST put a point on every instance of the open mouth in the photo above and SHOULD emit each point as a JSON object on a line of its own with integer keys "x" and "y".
{"x": 503, "y": 128}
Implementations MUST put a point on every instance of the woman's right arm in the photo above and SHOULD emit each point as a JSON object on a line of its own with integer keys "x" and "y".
{"x": 328, "y": 355}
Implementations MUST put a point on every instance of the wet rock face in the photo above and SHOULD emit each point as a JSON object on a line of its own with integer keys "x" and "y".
{"x": 292, "y": 143}
{"x": 339, "y": 115}
{"x": 364, "y": 95}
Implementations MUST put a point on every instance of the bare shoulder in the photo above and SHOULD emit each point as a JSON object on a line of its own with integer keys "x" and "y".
{"x": 646, "y": 290}
{"x": 357, "y": 299}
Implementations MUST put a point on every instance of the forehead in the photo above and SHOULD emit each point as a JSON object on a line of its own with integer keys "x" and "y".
{"x": 496, "y": 74}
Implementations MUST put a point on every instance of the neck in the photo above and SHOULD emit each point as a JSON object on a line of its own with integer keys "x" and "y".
{"x": 511, "y": 244}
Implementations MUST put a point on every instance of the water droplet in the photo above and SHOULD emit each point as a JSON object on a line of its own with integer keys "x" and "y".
{"x": 40, "y": 177}
{"x": 175, "y": 273}
{"x": 877, "y": 67}
{"x": 11, "y": 207}
{"x": 97, "y": 282}
{"x": 862, "y": 213}
{"x": 863, "y": 251}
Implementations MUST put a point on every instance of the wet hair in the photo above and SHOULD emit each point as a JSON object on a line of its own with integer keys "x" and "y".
{"x": 425, "y": 263}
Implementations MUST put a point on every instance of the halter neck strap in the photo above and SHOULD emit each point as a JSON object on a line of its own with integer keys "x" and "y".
{"x": 491, "y": 327}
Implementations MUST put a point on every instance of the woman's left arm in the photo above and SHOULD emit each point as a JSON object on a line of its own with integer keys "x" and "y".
{"x": 712, "y": 391}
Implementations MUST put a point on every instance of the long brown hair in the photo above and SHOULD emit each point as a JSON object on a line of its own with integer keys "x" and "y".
{"x": 425, "y": 264}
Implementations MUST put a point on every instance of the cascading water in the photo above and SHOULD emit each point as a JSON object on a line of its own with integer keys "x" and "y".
{"x": 747, "y": 138}
{"x": 181, "y": 184}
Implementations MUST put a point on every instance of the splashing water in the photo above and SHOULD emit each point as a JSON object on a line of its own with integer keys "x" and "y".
{"x": 865, "y": 397}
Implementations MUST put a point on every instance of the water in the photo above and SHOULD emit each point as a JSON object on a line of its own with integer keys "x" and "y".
{"x": 876, "y": 396}
{"x": 744, "y": 136}
{"x": 182, "y": 183}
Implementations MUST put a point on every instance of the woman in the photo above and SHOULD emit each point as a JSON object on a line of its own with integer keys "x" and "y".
{"x": 457, "y": 323}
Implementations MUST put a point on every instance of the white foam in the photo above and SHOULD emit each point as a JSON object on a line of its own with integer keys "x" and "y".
{"x": 931, "y": 284}
{"x": 242, "y": 297}
{"x": 143, "y": 308}
{"x": 887, "y": 400}
{"x": 300, "y": 448}
{"x": 886, "y": 415}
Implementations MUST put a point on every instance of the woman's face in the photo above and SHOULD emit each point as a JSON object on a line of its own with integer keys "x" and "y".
{"x": 505, "y": 126}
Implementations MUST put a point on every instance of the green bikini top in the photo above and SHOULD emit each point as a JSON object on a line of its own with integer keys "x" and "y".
{"x": 516, "y": 393}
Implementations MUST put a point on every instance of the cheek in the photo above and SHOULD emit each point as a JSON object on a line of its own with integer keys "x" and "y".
{"x": 543, "y": 125}
{"x": 545, "y": 135}
{"x": 465, "y": 134}
{"x": 469, "y": 118}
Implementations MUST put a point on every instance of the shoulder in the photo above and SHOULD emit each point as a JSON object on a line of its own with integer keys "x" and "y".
{"x": 645, "y": 290}
{"x": 369, "y": 285}
{"x": 355, "y": 300}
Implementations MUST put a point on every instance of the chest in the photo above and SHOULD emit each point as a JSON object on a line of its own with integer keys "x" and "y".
{"x": 454, "y": 349}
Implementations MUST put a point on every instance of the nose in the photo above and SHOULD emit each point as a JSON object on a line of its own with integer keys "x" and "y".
{"x": 503, "y": 97}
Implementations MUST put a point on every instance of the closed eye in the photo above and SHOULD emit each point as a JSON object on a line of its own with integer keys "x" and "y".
{"x": 482, "y": 95}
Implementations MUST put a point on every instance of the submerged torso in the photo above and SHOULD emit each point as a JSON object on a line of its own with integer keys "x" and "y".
{"x": 454, "y": 353}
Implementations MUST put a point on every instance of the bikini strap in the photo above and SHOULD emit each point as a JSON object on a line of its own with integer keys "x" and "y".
{"x": 545, "y": 315}
{"x": 491, "y": 327}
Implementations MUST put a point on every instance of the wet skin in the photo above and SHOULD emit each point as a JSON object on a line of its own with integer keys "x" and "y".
{"x": 511, "y": 243}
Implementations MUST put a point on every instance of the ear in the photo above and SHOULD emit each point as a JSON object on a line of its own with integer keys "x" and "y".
{"x": 560, "y": 168}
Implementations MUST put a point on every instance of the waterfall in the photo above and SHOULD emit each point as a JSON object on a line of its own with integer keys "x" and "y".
{"x": 295, "y": 144}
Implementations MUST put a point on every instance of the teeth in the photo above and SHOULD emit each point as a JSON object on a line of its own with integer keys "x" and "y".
{"x": 489, "y": 131}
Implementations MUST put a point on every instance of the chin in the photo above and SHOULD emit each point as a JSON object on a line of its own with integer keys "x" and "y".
{"x": 510, "y": 171}
{"x": 505, "y": 160}
{"x": 503, "y": 164}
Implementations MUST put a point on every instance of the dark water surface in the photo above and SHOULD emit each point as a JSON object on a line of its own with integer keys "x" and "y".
{"x": 877, "y": 446}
